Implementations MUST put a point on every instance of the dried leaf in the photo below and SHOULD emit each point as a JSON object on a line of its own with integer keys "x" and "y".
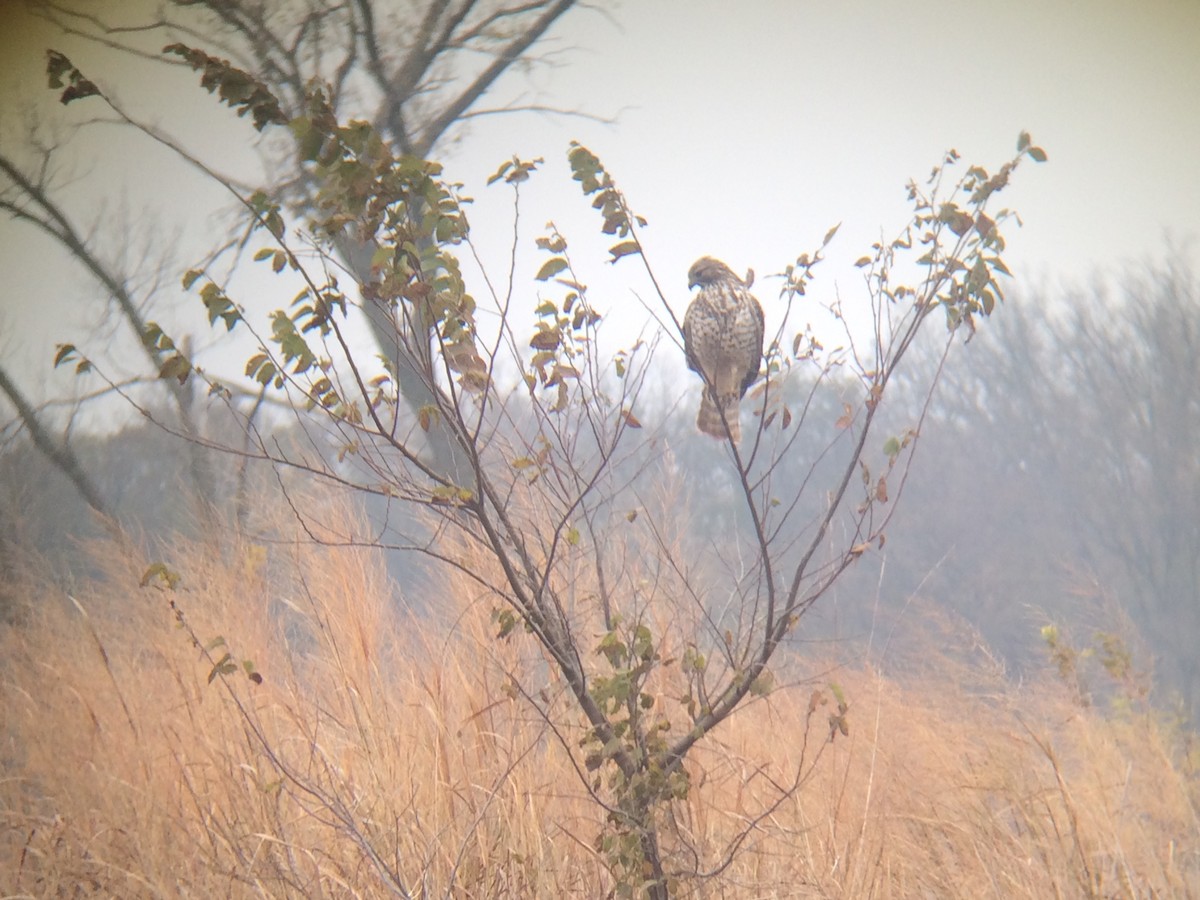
{"x": 846, "y": 418}
{"x": 625, "y": 248}
{"x": 545, "y": 340}
{"x": 550, "y": 268}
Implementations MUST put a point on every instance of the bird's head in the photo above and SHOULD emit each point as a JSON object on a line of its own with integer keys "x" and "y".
{"x": 707, "y": 270}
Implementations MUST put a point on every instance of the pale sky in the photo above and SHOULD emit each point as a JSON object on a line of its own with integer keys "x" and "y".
{"x": 754, "y": 126}
{"x": 744, "y": 130}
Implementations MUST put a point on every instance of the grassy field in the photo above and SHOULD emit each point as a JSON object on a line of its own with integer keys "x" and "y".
{"x": 387, "y": 752}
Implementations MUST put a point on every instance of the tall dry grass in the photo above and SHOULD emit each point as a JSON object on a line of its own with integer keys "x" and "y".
{"x": 387, "y": 752}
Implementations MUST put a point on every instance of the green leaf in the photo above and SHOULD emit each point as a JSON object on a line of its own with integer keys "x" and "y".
{"x": 585, "y": 167}
{"x": 154, "y": 337}
{"x": 382, "y": 256}
{"x": 254, "y": 363}
{"x": 160, "y": 570}
{"x": 222, "y": 666}
{"x": 308, "y": 138}
{"x": 291, "y": 344}
{"x": 447, "y": 492}
{"x": 506, "y": 620}
{"x": 266, "y": 373}
{"x": 763, "y": 684}
{"x": 891, "y": 448}
{"x": 219, "y": 306}
{"x": 550, "y": 268}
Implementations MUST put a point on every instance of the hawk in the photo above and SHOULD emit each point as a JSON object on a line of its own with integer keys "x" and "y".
{"x": 723, "y": 341}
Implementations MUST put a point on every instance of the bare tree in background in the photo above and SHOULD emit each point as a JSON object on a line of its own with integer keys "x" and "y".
{"x": 1079, "y": 421}
{"x": 29, "y": 199}
{"x": 415, "y": 71}
{"x": 1131, "y": 366}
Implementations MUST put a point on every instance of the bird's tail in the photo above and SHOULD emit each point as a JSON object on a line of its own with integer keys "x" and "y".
{"x": 709, "y": 419}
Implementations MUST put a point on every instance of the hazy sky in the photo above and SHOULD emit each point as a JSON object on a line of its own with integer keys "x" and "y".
{"x": 754, "y": 126}
{"x": 743, "y": 130}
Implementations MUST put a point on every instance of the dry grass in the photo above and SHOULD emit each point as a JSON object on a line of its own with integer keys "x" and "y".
{"x": 385, "y": 751}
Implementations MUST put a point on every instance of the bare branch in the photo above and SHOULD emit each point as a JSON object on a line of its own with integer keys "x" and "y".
{"x": 58, "y": 452}
{"x": 433, "y": 130}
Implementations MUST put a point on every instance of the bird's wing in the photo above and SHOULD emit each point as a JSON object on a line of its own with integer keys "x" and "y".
{"x": 689, "y": 343}
{"x": 754, "y": 353}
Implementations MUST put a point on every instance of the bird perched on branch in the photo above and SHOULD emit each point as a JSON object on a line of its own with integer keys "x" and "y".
{"x": 723, "y": 340}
